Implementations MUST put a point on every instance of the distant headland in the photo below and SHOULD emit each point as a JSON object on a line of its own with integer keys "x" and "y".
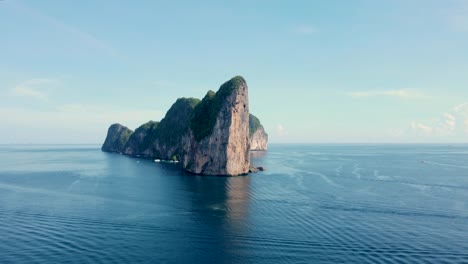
{"x": 212, "y": 136}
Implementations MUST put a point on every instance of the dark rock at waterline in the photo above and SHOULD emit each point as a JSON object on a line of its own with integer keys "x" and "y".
{"x": 256, "y": 169}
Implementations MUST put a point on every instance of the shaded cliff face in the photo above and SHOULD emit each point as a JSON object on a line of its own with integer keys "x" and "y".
{"x": 140, "y": 141}
{"x": 173, "y": 129}
{"x": 258, "y": 136}
{"x": 163, "y": 139}
{"x": 117, "y": 137}
{"x": 218, "y": 140}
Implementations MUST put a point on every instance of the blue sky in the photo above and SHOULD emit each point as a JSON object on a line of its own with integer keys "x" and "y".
{"x": 318, "y": 71}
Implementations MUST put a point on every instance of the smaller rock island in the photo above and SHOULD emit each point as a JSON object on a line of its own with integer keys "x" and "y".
{"x": 212, "y": 136}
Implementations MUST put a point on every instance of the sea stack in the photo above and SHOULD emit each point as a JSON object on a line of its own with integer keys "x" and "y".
{"x": 209, "y": 137}
{"x": 218, "y": 142}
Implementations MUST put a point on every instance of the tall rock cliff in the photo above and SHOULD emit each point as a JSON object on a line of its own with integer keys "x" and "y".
{"x": 117, "y": 137}
{"x": 258, "y": 136}
{"x": 218, "y": 141}
{"x": 210, "y": 137}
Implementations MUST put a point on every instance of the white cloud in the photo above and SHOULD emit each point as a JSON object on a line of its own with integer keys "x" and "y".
{"x": 461, "y": 111}
{"x": 396, "y": 132}
{"x": 65, "y": 123}
{"x": 39, "y": 81}
{"x": 452, "y": 125}
{"x": 460, "y": 22}
{"x": 281, "y": 130}
{"x": 28, "y": 92}
{"x": 449, "y": 120}
{"x": 458, "y": 17}
{"x": 421, "y": 127}
{"x": 402, "y": 94}
{"x": 304, "y": 30}
{"x": 466, "y": 125}
{"x": 106, "y": 115}
{"x": 461, "y": 108}
{"x": 35, "y": 88}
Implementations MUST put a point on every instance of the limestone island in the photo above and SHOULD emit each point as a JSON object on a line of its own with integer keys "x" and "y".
{"x": 213, "y": 136}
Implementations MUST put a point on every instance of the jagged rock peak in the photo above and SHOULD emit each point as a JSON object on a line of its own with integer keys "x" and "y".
{"x": 219, "y": 143}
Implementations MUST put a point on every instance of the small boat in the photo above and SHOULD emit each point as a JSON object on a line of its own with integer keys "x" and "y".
{"x": 157, "y": 160}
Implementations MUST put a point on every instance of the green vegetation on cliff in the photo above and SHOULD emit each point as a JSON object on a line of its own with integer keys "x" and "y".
{"x": 124, "y": 137}
{"x": 254, "y": 124}
{"x": 176, "y": 122}
{"x": 143, "y": 137}
{"x": 205, "y": 113}
{"x": 204, "y": 117}
{"x": 228, "y": 88}
{"x": 163, "y": 139}
{"x": 117, "y": 137}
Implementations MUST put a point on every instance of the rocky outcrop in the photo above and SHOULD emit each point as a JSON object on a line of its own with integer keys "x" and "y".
{"x": 174, "y": 128}
{"x": 140, "y": 141}
{"x": 117, "y": 137}
{"x": 163, "y": 140}
{"x": 258, "y": 136}
{"x": 259, "y": 140}
{"x": 256, "y": 169}
{"x": 210, "y": 137}
{"x": 218, "y": 141}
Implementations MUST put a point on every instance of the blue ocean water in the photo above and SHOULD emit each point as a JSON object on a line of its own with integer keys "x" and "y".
{"x": 314, "y": 204}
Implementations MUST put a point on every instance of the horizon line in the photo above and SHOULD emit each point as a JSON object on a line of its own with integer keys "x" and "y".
{"x": 278, "y": 143}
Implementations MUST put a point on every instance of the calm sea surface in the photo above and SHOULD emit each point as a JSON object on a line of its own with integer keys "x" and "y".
{"x": 314, "y": 204}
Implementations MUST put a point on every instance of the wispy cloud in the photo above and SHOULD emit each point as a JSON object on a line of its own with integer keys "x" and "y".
{"x": 466, "y": 125}
{"x": 421, "y": 127}
{"x": 281, "y": 130}
{"x": 304, "y": 30}
{"x": 461, "y": 108}
{"x": 452, "y": 125}
{"x": 35, "y": 88}
{"x": 78, "y": 115}
{"x": 82, "y": 37}
{"x": 72, "y": 123}
{"x": 458, "y": 18}
{"x": 460, "y": 22}
{"x": 29, "y": 92}
{"x": 401, "y": 94}
{"x": 106, "y": 115}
